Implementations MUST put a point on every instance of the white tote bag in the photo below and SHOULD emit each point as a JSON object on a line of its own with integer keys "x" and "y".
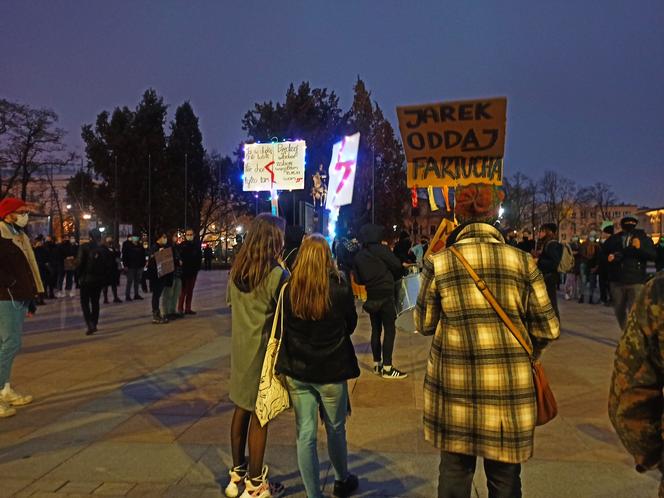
{"x": 273, "y": 396}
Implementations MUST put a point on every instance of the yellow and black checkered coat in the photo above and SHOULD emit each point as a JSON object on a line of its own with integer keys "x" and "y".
{"x": 478, "y": 391}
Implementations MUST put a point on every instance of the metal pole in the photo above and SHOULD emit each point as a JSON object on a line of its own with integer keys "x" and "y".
{"x": 149, "y": 199}
{"x": 186, "y": 158}
{"x": 373, "y": 185}
{"x": 116, "y": 227}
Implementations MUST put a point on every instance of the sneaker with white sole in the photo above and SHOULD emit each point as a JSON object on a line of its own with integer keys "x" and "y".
{"x": 393, "y": 373}
{"x": 6, "y": 410}
{"x": 260, "y": 487}
{"x": 12, "y": 398}
{"x": 237, "y": 475}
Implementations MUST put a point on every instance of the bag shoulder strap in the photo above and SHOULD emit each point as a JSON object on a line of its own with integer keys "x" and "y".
{"x": 279, "y": 314}
{"x": 488, "y": 295}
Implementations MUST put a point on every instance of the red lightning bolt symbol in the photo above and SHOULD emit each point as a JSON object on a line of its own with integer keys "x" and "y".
{"x": 346, "y": 165}
{"x": 269, "y": 169}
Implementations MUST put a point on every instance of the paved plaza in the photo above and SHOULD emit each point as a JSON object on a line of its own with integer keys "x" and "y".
{"x": 143, "y": 410}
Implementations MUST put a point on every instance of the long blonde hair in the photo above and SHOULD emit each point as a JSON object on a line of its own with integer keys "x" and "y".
{"x": 309, "y": 286}
{"x": 264, "y": 243}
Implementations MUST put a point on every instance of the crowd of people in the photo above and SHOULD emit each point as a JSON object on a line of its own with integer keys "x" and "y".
{"x": 479, "y": 397}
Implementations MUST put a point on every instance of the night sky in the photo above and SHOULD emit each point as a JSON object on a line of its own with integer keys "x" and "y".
{"x": 584, "y": 79}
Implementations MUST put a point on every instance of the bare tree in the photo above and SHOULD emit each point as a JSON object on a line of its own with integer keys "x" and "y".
{"x": 31, "y": 141}
{"x": 521, "y": 195}
{"x": 558, "y": 196}
{"x": 600, "y": 196}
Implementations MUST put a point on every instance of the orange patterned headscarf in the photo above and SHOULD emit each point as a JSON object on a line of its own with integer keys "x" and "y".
{"x": 478, "y": 202}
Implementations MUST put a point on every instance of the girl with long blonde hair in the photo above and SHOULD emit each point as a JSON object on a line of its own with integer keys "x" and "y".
{"x": 318, "y": 358}
{"x": 255, "y": 280}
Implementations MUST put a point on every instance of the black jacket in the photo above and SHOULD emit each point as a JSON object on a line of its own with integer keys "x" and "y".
{"x": 550, "y": 257}
{"x": 133, "y": 255}
{"x": 629, "y": 264}
{"x": 377, "y": 269}
{"x": 659, "y": 260}
{"x": 17, "y": 282}
{"x": 95, "y": 265}
{"x": 191, "y": 254}
{"x": 375, "y": 266}
{"x": 321, "y": 351}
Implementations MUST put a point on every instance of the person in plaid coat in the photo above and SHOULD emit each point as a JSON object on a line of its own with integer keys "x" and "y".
{"x": 479, "y": 398}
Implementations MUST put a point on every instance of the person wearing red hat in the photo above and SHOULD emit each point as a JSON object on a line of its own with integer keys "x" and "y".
{"x": 20, "y": 284}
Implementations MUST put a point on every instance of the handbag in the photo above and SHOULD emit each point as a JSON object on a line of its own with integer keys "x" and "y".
{"x": 547, "y": 408}
{"x": 272, "y": 396}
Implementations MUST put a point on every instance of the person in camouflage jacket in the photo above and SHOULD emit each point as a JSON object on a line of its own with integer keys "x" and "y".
{"x": 636, "y": 401}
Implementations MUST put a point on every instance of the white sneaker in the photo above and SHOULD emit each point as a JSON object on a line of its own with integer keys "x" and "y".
{"x": 263, "y": 488}
{"x": 72, "y": 293}
{"x": 237, "y": 475}
{"x": 6, "y": 410}
{"x": 13, "y": 398}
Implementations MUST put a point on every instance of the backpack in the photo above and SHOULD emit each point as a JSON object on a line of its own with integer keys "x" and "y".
{"x": 566, "y": 264}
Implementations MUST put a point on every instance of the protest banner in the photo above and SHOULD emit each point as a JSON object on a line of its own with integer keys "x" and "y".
{"x": 165, "y": 262}
{"x": 342, "y": 172}
{"x": 454, "y": 143}
{"x": 274, "y": 166}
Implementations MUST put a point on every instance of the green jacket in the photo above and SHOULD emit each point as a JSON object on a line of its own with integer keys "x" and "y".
{"x": 635, "y": 401}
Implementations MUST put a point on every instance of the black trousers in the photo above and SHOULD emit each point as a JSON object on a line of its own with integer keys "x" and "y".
{"x": 551, "y": 282}
{"x": 456, "y": 477}
{"x": 157, "y": 285}
{"x": 90, "y": 303}
{"x": 383, "y": 320}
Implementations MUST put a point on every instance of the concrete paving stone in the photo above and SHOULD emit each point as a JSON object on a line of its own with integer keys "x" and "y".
{"x": 130, "y": 462}
{"x": 210, "y": 429}
{"x": 114, "y": 488}
{"x": 34, "y": 458}
{"x": 80, "y": 487}
{"x": 11, "y": 486}
{"x": 81, "y": 427}
{"x": 400, "y": 430}
{"x": 42, "y": 485}
{"x": 145, "y": 427}
{"x": 148, "y": 490}
{"x": 372, "y": 391}
{"x": 581, "y": 479}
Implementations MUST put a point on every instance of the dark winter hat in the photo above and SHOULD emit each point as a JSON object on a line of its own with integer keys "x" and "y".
{"x": 552, "y": 227}
{"x": 372, "y": 234}
{"x": 629, "y": 220}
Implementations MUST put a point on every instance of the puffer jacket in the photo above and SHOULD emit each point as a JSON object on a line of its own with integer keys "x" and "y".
{"x": 375, "y": 266}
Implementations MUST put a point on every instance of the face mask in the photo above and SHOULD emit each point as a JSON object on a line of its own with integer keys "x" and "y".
{"x": 134, "y": 239}
{"x": 21, "y": 219}
{"x": 73, "y": 241}
{"x": 145, "y": 245}
{"x": 189, "y": 237}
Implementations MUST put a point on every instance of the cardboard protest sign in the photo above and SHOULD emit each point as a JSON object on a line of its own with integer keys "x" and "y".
{"x": 165, "y": 261}
{"x": 454, "y": 143}
{"x": 342, "y": 172}
{"x": 274, "y": 166}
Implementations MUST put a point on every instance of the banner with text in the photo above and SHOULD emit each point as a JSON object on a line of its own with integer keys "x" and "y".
{"x": 342, "y": 172}
{"x": 454, "y": 143}
{"x": 274, "y": 166}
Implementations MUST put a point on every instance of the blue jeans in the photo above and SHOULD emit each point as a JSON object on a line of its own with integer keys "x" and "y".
{"x": 306, "y": 398}
{"x": 12, "y": 314}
